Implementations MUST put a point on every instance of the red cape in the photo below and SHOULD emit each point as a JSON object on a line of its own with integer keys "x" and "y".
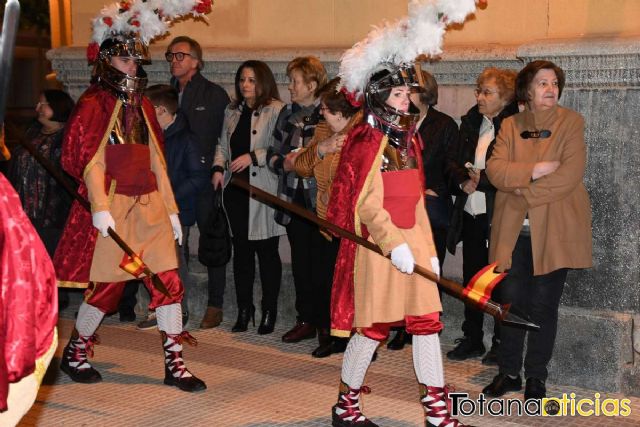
{"x": 28, "y": 294}
{"x": 84, "y": 133}
{"x": 362, "y": 146}
{"x": 356, "y": 160}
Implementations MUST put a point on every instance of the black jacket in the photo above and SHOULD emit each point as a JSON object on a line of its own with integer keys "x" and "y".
{"x": 438, "y": 131}
{"x": 463, "y": 151}
{"x": 187, "y": 167}
{"x": 203, "y": 103}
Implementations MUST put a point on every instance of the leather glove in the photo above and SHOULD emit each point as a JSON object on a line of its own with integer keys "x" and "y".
{"x": 102, "y": 221}
{"x": 402, "y": 258}
{"x": 177, "y": 228}
{"x": 435, "y": 265}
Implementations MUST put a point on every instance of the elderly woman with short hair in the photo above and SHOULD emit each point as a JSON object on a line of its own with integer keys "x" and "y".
{"x": 541, "y": 224}
{"x": 471, "y": 218}
{"x": 294, "y": 130}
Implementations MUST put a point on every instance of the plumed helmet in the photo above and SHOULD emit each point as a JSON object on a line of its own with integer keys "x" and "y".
{"x": 386, "y": 77}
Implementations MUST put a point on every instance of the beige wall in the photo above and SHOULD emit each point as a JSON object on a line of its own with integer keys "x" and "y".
{"x": 339, "y": 23}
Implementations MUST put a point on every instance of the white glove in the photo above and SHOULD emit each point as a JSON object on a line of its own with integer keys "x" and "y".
{"x": 177, "y": 228}
{"x": 402, "y": 258}
{"x": 435, "y": 265}
{"x": 102, "y": 221}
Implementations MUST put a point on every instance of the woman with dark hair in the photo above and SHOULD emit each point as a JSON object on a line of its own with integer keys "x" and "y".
{"x": 44, "y": 201}
{"x": 294, "y": 130}
{"x": 247, "y": 133}
{"x": 541, "y": 223}
{"x": 495, "y": 101}
{"x": 320, "y": 160}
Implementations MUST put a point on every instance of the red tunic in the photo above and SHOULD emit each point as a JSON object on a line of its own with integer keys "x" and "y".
{"x": 89, "y": 124}
{"x": 28, "y": 294}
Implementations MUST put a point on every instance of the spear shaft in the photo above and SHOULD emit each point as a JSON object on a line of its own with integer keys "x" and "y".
{"x": 57, "y": 175}
{"x": 500, "y": 312}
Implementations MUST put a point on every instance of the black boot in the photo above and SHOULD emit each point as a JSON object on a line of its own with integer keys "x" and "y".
{"x": 268, "y": 322}
{"x": 77, "y": 352}
{"x": 466, "y": 349}
{"x": 398, "y": 342}
{"x": 175, "y": 372}
{"x": 244, "y": 315}
{"x": 324, "y": 344}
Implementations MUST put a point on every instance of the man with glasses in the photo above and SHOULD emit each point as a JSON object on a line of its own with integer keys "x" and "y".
{"x": 203, "y": 103}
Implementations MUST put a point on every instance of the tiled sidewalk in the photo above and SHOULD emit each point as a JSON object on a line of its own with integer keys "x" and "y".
{"x": 253, "y": 381}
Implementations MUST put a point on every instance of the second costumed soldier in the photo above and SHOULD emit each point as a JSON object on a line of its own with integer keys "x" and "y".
{"x": 378, "y": 193}
{"x": 113, "y": 147}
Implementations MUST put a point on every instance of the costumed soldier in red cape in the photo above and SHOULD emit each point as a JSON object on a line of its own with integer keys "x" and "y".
{"x": 113, "y": 147}
{"x": 378, "y": 194}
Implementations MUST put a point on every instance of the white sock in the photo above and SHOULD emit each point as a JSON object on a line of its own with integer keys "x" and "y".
{"x": 427, "y": 362}
{"x": 356, "y": 360}
{"x": 89, "y": 318}
{"x": 169, "y": 318}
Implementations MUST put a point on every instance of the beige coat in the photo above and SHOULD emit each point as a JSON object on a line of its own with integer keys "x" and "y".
{"x": 381, "y": 292}
{"x": 557, "y": 204}
{"x": 263, "y": 121}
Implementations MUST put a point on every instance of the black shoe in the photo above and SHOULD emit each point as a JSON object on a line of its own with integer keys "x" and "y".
{"x": 127, "y": 316}
{"x": 190, "y": 384}
{"x": 333, "y": 345}
{"x": 268, "y": 322}
{"x": 535, "y": 389}
{"x": 244, "y": 315}
{"x": 398, "y": 342}
{"x": 466, "y": 349}
{"x": 501, "y": 384}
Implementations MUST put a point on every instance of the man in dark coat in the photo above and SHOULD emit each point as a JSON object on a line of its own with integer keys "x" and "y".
{"x": 203, "y": 103}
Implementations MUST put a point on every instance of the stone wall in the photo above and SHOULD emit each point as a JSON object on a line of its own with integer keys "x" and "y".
{"x": 595, "y": 346}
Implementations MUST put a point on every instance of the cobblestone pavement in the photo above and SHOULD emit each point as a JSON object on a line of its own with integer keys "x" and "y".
{"x": 255, "y": 380}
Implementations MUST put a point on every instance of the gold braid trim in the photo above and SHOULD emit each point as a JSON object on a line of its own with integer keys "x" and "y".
{"x": 42, "y": 362}
{"x": 103, "y": 143}
{"x": 75, "y": 285}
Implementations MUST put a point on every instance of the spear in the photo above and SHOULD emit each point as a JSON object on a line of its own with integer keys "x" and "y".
{"x": 57, "y": 175}
{"x": 469, "y": 295}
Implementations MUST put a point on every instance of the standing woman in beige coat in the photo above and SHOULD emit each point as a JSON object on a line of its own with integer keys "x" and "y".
{"x": 247, "y": 132}
{"x": 541, "y": 224}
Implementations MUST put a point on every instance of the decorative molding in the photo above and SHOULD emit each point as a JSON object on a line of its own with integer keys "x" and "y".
{"x": 588, "y": 63}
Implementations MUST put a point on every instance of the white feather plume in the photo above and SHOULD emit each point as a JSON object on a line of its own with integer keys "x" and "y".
{"x": 148, "y": 19}
{"x": 420, "y": 33}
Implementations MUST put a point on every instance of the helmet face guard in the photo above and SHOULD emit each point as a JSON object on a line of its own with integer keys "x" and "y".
{"x": 379, "y": 88}
{"x": 124, "y": 46}
{"x": 115, "y": 79}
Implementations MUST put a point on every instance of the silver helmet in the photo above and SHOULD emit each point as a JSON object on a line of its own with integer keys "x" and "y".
{"x": 391, "y": 121}
{"x": 123, "y": 85}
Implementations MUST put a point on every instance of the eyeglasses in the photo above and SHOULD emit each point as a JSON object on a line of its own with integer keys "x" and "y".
{"x": 485, "y": 92}
{"x": 178, "y": 55}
